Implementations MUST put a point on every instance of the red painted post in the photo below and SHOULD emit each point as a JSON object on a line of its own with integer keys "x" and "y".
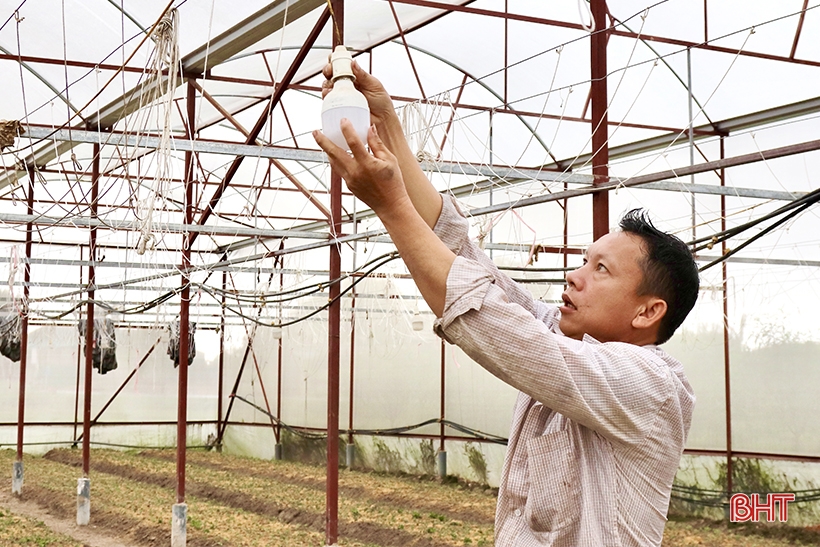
{"x": 333, "y": 330}
{"x": 220, "y": 386}
{"x": 727, "y": 384}
{"x": 184, "y": 304}
{"x": 600, "y": 129}
{"x": 89, "y": 328}
{"x": 21, "y": 394}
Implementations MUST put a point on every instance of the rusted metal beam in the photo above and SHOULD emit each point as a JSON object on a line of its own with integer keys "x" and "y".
{"x": 184, "y": 307}
{"x": 600, "y": 108}
{"x": 334, "y": 328}
{"x": 263, "y": 119}
{"x": 799, "y": 29}
{"x": 89, "y": 315}
{"x": 406, "y": 48}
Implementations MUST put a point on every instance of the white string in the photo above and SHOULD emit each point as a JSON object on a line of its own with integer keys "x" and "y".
{"x": 585, "y": 14}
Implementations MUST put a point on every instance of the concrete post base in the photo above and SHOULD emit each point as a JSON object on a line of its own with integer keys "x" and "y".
{"x": 350, "y": 455}
{"x": 17, "y": 478}
{"x": 277, "y": 451}
{"x": 179, "y": 525}
{"x": 441, "y": 461}
{"x": 83, "y": 501}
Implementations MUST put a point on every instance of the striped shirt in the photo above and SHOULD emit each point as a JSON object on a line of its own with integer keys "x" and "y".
{"x": 598, "y": 428}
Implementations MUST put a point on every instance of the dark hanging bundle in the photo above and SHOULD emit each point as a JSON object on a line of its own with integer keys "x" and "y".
{"x": 104, "y": 348}
{"x": 173, "y": 342}
{"x": 10, "y": 326}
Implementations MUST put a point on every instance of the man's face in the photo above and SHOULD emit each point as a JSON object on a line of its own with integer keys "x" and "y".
{"x": 602, "y": 295}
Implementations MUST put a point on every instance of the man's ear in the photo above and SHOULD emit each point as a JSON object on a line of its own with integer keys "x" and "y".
{"x": 650, "y": 313}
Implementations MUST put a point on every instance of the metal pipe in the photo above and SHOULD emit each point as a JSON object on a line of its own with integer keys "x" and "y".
{"x": 726, "y": 362}
{"x": 333, "y": 329}
{"x": 184, "y": 305}
{"x": 600, "y": 129}
{"x": 79, "y": 364}
{"x": 260, "y": 123}
{"x": 21, "y": 394}
{"x": 220, "y": 381}
{"x": 89, "y": 328}
{"x": 352, "y": 361}
{"x": 441, "y": 406}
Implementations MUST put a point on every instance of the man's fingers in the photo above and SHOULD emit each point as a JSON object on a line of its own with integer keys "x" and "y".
{"x": 338, "y": 157}
{"x": 357, "y": 147}
{"x": 376, "y": 145}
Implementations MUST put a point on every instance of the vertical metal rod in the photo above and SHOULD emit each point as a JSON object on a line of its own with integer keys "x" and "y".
{"x": 727, "y": 384}
{"x": 184, "y": 304}
{"x": 600, "y": 127}
{"x": 705, "y": 21}
{"x": 221, "y": 380}
{"x": 691, "y": 132}
{"x": 89, "y": 328}
{"x": 281, "y": 260}
{"x": 21, "y": 394}
{"x": 333, "y": 334}
{"x": 352, "y": 362}
{"x": 79, "y": 365}
{"x": 441, "y": 406}
{"x": 506, "y": 50}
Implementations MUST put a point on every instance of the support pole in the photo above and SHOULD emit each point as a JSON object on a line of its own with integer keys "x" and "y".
{"x": 84, "y": 483}
{"x": 220, "y": 383}
{"x": 277, "y": 449}
{"x": 180, "y": 509}
{"x": 79, "y": 369}
{"x": 600, "y": 128}
{"x": 17, "y": 467}
{"x": 727, "y": 383}
{"x": 350, "y": 449}
{"x": 441, "y": 456}
{"x": 333, "y": 328}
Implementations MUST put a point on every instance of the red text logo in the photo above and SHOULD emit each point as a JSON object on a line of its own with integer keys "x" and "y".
{"x": 743, "y": 508}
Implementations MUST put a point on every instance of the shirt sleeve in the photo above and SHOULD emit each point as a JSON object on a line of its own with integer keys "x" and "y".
{"x": 615, "y": 389}
{"x": 453, "y": 229}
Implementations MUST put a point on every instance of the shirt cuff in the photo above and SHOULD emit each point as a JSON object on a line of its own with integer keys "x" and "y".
{"x": 452, "y": 227}
{"x": 467, "y": 285}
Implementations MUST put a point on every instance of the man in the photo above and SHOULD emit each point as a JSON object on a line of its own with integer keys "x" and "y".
{"x": 603, "y": 413}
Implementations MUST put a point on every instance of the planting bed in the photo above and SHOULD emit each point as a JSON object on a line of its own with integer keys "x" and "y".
{"x": 234, "y": 501}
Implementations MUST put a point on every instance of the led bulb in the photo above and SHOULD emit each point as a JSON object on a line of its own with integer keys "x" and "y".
{"x": 344, "y": 101}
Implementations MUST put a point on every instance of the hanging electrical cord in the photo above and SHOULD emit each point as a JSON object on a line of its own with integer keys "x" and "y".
{"x": 390, "y": 258}
{"x": 789, "y": 211}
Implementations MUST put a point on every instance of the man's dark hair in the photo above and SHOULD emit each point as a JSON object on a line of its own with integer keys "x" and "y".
{"x": 669, "y": 271}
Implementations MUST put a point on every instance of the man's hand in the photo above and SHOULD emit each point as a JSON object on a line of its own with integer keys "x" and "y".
{"x": 379, "y": 101}
{"x": 373, "y": 178}
{"x": 376, "y": 179}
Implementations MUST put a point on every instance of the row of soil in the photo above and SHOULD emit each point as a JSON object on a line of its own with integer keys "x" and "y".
{"x": 226, "y": 481}
{"x": 17, "y": 531}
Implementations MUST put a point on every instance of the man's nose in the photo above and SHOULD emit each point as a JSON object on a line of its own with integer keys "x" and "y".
{"x": 574, "y": 278}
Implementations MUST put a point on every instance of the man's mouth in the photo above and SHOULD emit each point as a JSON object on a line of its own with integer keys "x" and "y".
{"x": 567, "y": 302}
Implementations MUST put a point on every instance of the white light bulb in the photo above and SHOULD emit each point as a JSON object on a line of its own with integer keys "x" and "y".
{"x": 344, "y": 101}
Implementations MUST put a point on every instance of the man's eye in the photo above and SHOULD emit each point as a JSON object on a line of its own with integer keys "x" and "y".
{"x": 601, "y": 267}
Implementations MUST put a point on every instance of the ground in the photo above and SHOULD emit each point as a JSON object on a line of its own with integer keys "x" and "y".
{"x": 237, "y": 502}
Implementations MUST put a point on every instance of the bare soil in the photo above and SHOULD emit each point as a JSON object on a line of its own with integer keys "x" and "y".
{"x": 234, "y": 501}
